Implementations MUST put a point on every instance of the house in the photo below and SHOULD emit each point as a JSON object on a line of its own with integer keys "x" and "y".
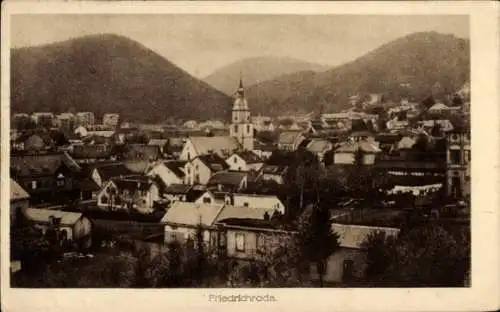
{"x": 228, "y": 181}
{"x": 110, "y": 119}
{"x": 275, "y": 173}
{"x": 161, "y": 143}
{"x": 200, "y": 169}
{"x": 91, "y": 153}
{"x": 263, "y": 150}
{"x": 438, "y": 108}
{"x": 290, "y": 140}
{"x": 81, "y": 131}
{"x": 458, "y": 162}
{"x": 319, "y": 147}
{"x": 177, "y": 192}
{"x": 201, "y": 145}
{"x": 266, "y": 202}
{"x": 182, "y": 220}
{"x": 19, "y": 200}
{"x": 349, "y": 260}
{"x": 346, "y": 152}
{"x": 73, "y": 226}
{"x": 102, "y": 173}
{"x": 85, "y": 118}
{"x": 47, "y": 177}
{"x": 170, "y": 172}
{"x": 247, "y": 233}
{"x": 175, "y": 147}
{"x": 142, "y": 152}
{"x": 244, "y": 161}
{"x": 33, "y": 141}
{"x": 137, "y": 193}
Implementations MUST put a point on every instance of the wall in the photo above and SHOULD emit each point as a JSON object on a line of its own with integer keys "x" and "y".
{"x": 188, "y": 150}
{"x": 343, "y": 158}
{"x": 271, "y": 202}
{"x": 184, "y": 233}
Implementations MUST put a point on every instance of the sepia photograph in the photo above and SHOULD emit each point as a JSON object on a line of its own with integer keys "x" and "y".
{"x": 219, "y": 151}
{"x": 240, "y": 151}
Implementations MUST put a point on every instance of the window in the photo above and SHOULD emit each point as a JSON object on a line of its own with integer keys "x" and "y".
{"x": 245, "y": 204}
{"x": 455, "y": 157}
{"x": 207, "y": 200}
{"x": 188, "y": 170}
{"x": 236, "y": 128}
{"x": 454, "y": 137}
{"x": 60, "y": 182}
{"x": 248, "y": 128}
{"x": 261, "y": 246}
{"x": 235, "y": 160}
{"x": 197, "y": 178}
{"x": 189, "y": 156}
{"x": 240, "y": 241}
{"x": 467, "y": 156}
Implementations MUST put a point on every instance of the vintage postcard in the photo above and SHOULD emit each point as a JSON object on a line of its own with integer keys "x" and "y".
{"x": 271, "y": 155}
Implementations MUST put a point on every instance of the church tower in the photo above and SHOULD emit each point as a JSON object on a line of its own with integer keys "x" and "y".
{"x": 241, "y": 127}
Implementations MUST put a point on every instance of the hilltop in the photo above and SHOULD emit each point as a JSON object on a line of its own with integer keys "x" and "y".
{"x": 109, "y": 73}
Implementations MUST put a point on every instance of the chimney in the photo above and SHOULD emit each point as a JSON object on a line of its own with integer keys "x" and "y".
{"x": 266, "y": 216}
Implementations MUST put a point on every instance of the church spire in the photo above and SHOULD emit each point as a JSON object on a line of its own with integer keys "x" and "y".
{"x": 241, "y": 90}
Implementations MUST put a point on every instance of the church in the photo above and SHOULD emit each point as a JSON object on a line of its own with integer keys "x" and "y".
{"x": 241, "y": 134}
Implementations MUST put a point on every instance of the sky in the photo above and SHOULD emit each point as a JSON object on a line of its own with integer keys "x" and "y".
{"x": 201, "y": 44}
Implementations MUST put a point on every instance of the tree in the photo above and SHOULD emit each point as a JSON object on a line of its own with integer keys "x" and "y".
{"x": 316, "y": 240}
{"x": 427, "y": 255}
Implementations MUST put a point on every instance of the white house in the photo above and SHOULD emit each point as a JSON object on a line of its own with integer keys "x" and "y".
{"x": 197, "y": 146}
{"x": 274, "y": 173}
{"x": 268, "y": 202}
{"x": 129, "y": 193}
{"x": 182, "y": 220}
{"x": 81, "y": 131}
{"x": 244, "y": 161}
{"x": 346, "y": 153}
{"x": 170, "y": 172}
{"x": 200, "y": 169}
{"x": 319, "y": 147}
{"x": 73, "y": 225}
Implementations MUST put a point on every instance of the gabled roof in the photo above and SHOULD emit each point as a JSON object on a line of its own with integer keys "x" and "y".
{"x": 249, "y": 157}
{"x": 176, "y": 166}
{"x": 232, "y": 212}
{"x": 319, "y": 145}
{"x": 142, "y": 151}
{"x": 25, "y": 165}
{"x": 17, "y": 192}
{"x": 438, "y": 106}
{"x": 230, "y": 178}
{"x": 44, "y": 216}
{"x": 90, "y": 151}
{"x": 133, "y": 184}
{"x": 214, "y": 162}
{"x": 288, "y": 137}
{"x": 406, "y": 142}
{"x": 177, "y": 189}
{"x": 191, "y": 214}
{"x": 109, "y": 171}
{"x": 222, "y": 145}
{"x": 352, "y": 147}
{"x": 274, "y": 169}
{"x": 158, "y": 142}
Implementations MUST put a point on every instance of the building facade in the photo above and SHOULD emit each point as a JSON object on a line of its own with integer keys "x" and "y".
{"x": 458, "y": 160}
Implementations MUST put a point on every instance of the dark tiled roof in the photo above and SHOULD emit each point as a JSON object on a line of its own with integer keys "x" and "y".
{"x": 109, "y": 171}
{"x": 230, "y": 178}
{"x": 249, "y": 157}
{"x": 254, "y": 223}
{"x": 194, "y": 194}
{"x": 25, "y": 165}
{"x": 91, "y": 151}
{"x": 143, "y": 151}
{"x": 88, "y": 185}
{"x": 177, "y": 189}
{"x": 274, "y": 169}
{"x": 214, "y": 162}
{"x": 176, "y": 167}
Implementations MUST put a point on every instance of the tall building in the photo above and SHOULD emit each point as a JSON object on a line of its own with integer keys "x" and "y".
{"x": 241, "y": 126}
{"x": 110, "y": 119}
{"x": 85, "y": 118}
{"x": 458, "y": 159}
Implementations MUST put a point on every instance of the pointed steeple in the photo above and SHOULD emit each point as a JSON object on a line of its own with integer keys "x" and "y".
{"x": 241, "y": 90}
